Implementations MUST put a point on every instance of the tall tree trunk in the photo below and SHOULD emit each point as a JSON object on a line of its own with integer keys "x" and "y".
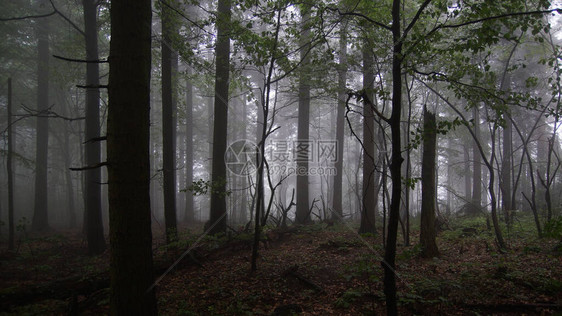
{"x": 541, "y": 160}
{"x": 71, "y": 209}
{"x": 507, "y": 156}
{"x": 169, "y": 90}
{"x": 395, "y": 166}
{"x": 429, "y": 188}
{"x": 450, "y": 171}
{"x": 476, "y": 165}
{"x": 467, "y": 174}
{"x": 10, "y": 170}
{"x": 303, "y": 151}
{"x": 92, "y": 181}
{"x": 189, "y": 211}
{"x": 506, "y": 170}
{"x": 40, "y": 214}
{"x": 243, "y": 211}
{"x": 368, "y": 195}
{"x": 128, "y": 145}
{"x": 218, "y": 196}
{"x": 337, "y": 206}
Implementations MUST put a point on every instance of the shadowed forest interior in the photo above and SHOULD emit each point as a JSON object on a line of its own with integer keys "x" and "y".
{"x": 184, "y": 157}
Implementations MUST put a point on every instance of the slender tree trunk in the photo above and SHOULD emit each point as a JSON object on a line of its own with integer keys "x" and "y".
{"x": 243, "y": 210}
{"x": 10, "y": 170}
{"x": 303, "y": 151}
{"x": 429, "y": 188}
{"x": 408, "y": 169}
{"x": 450, "y": 180}
{"x": 395, "y": 166}
{"x": 92, "y": 181}
{"x": 493, "y": 201}
{"x": 71, "y": 212}
{"x": 189, "y": 210}
{"x": 128, "y": 145}
{"x": 476, "y": 166}
{"x": 169, "y": 90}
{"x": 40, "y": 215}
{"x": 506, "y": 170}
{"x": 368, "y": 195}
{"x": 541, "y": 161}
{"x": 467, "y": 174}
{"x": 218, "y": 196}
{"x": 337, "y": 205}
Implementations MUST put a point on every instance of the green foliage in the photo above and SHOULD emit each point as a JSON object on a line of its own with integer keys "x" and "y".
{"x": 411, "y": 182}
{"x": 531, "y": 249}
{"x": 347, "y": 298}
{"x": 184, "y": 310}
{"x": 443, "y": 127}
{"x": 202, "y": 187}
{"x": 553, "y": 228}
{"x": 367, "y": 267}
{"x": 22, "y": 225}
{"x": 410, "y": 253}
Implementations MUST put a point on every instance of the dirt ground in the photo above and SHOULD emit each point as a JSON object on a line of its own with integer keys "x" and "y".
{"x": 312, "y": 270}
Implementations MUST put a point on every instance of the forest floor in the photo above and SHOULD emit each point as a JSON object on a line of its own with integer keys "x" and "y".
{"x": 310, "y": 270}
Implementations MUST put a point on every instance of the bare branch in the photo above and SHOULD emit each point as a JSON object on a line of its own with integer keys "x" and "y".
{"x": 490, "y": 18}
{"x": 28, "y": 17}
{"x": 96, "y": 139}
{"x": 98, "y": 61}
{"x": 99, "y": 86}
{"x": 379, "y": 24}
{"x": 495, "y": 17}
{"x": 67, "y": 19}
{"x": 415, "y": 19}
{"x": 96, "y": 166}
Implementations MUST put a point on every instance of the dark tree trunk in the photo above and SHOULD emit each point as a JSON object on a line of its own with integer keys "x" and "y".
{"x": 71, "y": 212}
{"x": 218, "y": 196}
{"x": 92, "y": 181}
{"x": 506, "y": 170}
{"x": 304, "y": 152}
{"x": 10, "y": 170}
{"x": 189, "y": 212}
{"x": 40, "y": 215}
{"x": 429, "y": 188}
{"x": 395, "y": 166}
{"x": 243, "y": 214}
{"x": 476, "y": 165}
{"x": 169, "y": 74}
{"x": 491, "y": 192}
{"x": 467, "y": 174}
{"x": 337, "y": 206}
{"x": 128, "y": 124}
{"x": 368, "y": 194}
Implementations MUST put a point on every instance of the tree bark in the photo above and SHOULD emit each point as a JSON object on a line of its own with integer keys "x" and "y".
{"x": 304, "y": 152}
{"x": 476, "y": 165}
{"x": 429, "y": 188}
{"x": 169, "y": 90}
{"x": 395, "y": 166}
{"x": 337, "y": 206}
{"x": 218, "y": 196}
{"x": 506, "y": 170}
{"x": 189, "y": 211}
{"x": 92, "y": 181}
{"x": 467, "y": 175}
{"x": 368, "y": 195}
{"x": 10, "y": 170}
{"x": 40, "y": 215}
{"x": 128, "y": 123}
